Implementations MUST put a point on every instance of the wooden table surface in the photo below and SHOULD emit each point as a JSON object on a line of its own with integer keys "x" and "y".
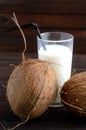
{"x": 54, "y": 118}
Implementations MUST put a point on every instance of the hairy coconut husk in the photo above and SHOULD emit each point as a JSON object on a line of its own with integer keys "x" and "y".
{"x": 31, "y": 88}
{"x": 73, "y": 94}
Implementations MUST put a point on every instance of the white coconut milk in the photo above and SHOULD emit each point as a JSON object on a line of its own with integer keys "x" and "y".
{"x": 60, "y": 58}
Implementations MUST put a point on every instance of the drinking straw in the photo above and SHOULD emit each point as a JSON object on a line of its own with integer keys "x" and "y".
{"x": 34, "y": 25}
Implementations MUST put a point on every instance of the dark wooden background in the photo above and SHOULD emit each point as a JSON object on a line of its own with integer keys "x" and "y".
{"x": 50, "y": 15}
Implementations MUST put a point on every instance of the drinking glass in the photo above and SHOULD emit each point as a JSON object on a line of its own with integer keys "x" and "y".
{"x": 57, "y": 49}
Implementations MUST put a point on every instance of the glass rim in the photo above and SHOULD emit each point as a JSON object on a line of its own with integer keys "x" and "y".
{"x": 71, "y": 37}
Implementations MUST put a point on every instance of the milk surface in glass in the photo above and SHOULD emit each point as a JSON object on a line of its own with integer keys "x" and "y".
{"x": 59, "y": 56}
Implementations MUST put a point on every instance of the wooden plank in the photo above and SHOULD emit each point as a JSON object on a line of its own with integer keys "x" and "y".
{"x": 48, "y": 9}
{"x": 12, "y": 41}
{"x": 49, "y": 121}
{"x": 43, "y": 6}
{"x": 15, "y": 44}
{"x": 42, "y": 2}
{"x": 47, "y": 21}
{"x": 30, "y": 32}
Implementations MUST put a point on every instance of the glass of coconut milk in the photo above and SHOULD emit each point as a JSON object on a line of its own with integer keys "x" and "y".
{"x": 58, "y": 52}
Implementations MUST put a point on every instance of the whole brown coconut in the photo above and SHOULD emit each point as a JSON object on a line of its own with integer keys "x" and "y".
{"x": 31, "y": 88}
{"x": 73, "y": 94}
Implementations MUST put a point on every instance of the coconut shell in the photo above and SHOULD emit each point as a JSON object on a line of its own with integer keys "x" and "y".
{"x": 73, "y": 94}
{"x": 31, "y": 88}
